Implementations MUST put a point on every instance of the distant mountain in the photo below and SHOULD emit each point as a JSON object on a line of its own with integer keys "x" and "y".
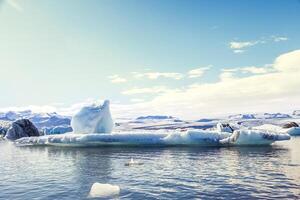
{"x": 153, "y": 117}
{"x": 40, "y": 120}
{"x": 205, "y": 120}
{"x": 242, "y": 116}
{"x": 259, "y": 116}
{"x": 275, "y": 116}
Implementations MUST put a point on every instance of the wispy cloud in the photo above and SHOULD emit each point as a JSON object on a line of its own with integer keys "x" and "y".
{"x": 255, "y": 70}
{"x": 249, "y": 69}
{"x": 117, "y": 79}
{"x": 242, "y": 45}
{"x": 196, "y": 73}
{"x": 239, "y": 47}
{"x": 279, "y": 39}
{"x": 226, "y": 75}
{"x": 156, "y": 75}
{"x": 238, "y": 51}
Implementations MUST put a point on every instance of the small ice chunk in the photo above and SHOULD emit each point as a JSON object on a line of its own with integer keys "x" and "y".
{"x": 100, "y": 190}
{"x": 224, "y": 128}
{"x": 132, "y": 162}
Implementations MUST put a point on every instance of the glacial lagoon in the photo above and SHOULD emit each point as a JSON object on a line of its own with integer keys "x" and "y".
{"x": 48, "y": 172}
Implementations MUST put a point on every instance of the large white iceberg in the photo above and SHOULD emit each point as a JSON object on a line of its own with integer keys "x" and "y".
{"x": 93, "y": 119}
{"x": 199, "y": 138}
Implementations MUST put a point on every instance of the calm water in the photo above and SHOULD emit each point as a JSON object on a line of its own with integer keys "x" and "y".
{"x": 168, "y": 173}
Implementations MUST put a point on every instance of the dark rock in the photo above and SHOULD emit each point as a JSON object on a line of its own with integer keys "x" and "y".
{"x": 296, "y": 112}
{"x": 290, "y": 125}
{"x": 3, "y": 131}
{"x": 21, "y": 128}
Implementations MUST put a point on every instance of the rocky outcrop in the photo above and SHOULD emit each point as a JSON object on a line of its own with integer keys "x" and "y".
{"x": 290, "y": 125}
{"x": 296, "y": 112}
{"x": 21, "y": 128}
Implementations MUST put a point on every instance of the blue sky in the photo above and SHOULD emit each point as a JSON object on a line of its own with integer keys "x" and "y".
{"x": 139, "y": 53}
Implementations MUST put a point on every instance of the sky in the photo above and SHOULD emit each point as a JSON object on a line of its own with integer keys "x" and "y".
{"x": 188, "y": 59}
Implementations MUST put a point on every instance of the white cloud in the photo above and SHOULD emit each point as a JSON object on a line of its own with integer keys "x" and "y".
{"x": 249, "y": 69}
{"x": 241, "y": 45}
{"x": 255, "y": 70}
{"x": 195, "y": 73}
{"x": 117, "y": 79}
{"x": 231, "y": 69}
{"x": 225, "y": 76}
{"x": 156, "y": 75}
{"x": 238, "y": 51}
{"x": 279, "y": 39}
{"x": 275, "y": 90}
{"x": 288, "y": 62}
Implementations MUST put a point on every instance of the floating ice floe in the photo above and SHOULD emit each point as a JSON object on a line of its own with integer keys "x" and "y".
{"x": 100, "y": 190}
{"x": 92, "y": 126}
{"x": 199, "y": 138}
{"x": 291, "y": 130}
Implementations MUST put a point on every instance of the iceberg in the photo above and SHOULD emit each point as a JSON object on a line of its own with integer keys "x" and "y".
{"x": 293, "y": 130}
{"x": 92, "y": 126}
{"x": 93, "y": 119}
{"x": 57, "y": 130}
{"x": 199, "y": 138}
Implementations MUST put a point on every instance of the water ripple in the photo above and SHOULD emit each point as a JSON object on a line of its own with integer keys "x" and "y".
{"x": 166, "y": 173}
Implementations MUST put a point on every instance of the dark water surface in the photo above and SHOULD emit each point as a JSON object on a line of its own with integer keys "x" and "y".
{"x": 167, "y": 173}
